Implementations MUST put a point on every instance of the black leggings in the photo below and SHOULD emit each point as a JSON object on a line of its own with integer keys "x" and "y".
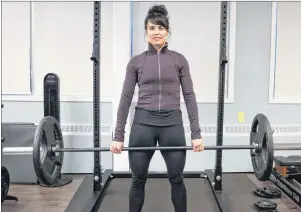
{"x": 147, "y": 136}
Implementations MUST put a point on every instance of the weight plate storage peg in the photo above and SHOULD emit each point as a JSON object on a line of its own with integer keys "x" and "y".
{"x": 262, "y": 157}
{"x": 48, "y": 164}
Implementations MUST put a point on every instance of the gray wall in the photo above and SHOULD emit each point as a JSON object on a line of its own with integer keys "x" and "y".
{"x": 251, "y": 93}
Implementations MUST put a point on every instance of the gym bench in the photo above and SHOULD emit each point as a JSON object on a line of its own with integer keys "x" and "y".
{"x": 287, "y": 176}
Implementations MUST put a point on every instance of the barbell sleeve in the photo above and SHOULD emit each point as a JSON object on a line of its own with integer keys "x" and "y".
{"x": 17, "y": 150}
{"x": 288, "y": 147}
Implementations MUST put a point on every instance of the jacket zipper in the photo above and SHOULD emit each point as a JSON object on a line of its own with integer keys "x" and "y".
{"x": 158, "y": 57}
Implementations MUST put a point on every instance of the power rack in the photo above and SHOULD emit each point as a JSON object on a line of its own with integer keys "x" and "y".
{"x": 89, "y": 195}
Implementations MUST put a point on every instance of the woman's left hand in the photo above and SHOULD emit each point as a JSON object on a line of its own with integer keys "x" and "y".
{"x": 198, "y": 145}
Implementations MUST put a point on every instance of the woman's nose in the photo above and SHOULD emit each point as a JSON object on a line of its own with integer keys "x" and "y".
{"x": 157, "y": 31}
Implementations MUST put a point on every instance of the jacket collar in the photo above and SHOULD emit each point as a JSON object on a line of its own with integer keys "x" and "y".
{"x": 152, "y": 50}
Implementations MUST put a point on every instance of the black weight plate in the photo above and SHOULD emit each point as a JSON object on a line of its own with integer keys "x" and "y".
{"x": 267, "y": 192}
{"x": 5, "y": 181}
{"x": 259, "y": 192}
{"x": 265, "y": 205}
{"x": 48, "y": 164}
{"x": 271, "y": 191}
{"x": 262, "y": 160}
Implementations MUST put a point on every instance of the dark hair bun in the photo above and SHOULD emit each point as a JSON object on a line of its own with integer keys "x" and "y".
{"x": 158, "y": 9}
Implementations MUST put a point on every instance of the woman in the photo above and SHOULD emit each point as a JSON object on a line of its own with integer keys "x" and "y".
{"x": 159, "y": 73}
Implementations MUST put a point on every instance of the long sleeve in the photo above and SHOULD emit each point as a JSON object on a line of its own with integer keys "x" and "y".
{"x": 190, "y": 99}
{"x": 125, "y": 100}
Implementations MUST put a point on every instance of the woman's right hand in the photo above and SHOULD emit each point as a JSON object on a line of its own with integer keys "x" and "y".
{"x": 116, "y": 147}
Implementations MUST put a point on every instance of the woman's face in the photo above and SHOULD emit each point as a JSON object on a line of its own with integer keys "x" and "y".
{"x": 156, "y": 34}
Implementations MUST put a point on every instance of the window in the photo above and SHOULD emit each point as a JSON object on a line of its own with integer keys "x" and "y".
{"x": 54, "y": 37}
{"x": 285, "y": 83}
{"x": 15, "y": 48}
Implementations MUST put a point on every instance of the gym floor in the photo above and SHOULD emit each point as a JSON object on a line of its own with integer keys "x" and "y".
{"x": 238, "y": 187}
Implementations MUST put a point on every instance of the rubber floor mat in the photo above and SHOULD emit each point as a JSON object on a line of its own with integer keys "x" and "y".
{"x": 158, "y": 197}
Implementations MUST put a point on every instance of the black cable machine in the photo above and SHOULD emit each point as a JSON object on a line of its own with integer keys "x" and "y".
{"x": 89, "y": 195}
{"x": 52, "y": 108}
{"x": 52, "y": 96}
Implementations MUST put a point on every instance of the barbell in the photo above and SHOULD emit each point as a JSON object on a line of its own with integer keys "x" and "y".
{"x": 48, "y": 149}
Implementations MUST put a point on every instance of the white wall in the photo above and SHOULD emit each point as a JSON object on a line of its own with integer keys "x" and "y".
{"x": 122, "y": 55}
{"x": 15, "y": 46}
{"x": 55, "y": 38}
{"x": 285, "y": 77}
{"x": 197, "y": 36}
{"x": 61, "y": 35}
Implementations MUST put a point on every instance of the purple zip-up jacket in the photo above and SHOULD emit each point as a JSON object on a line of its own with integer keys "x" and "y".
{"x": 159, "y": 76}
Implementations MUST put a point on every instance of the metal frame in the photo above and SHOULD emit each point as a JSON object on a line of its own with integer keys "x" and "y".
{"x": 221, "y": 94}
{"x": 89, "y": 196}
{"x": 96, "y": 95}
{"x": 215, "y": 177}
{"x": 87, "y": 199}
{"x": 287, "y": 187}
